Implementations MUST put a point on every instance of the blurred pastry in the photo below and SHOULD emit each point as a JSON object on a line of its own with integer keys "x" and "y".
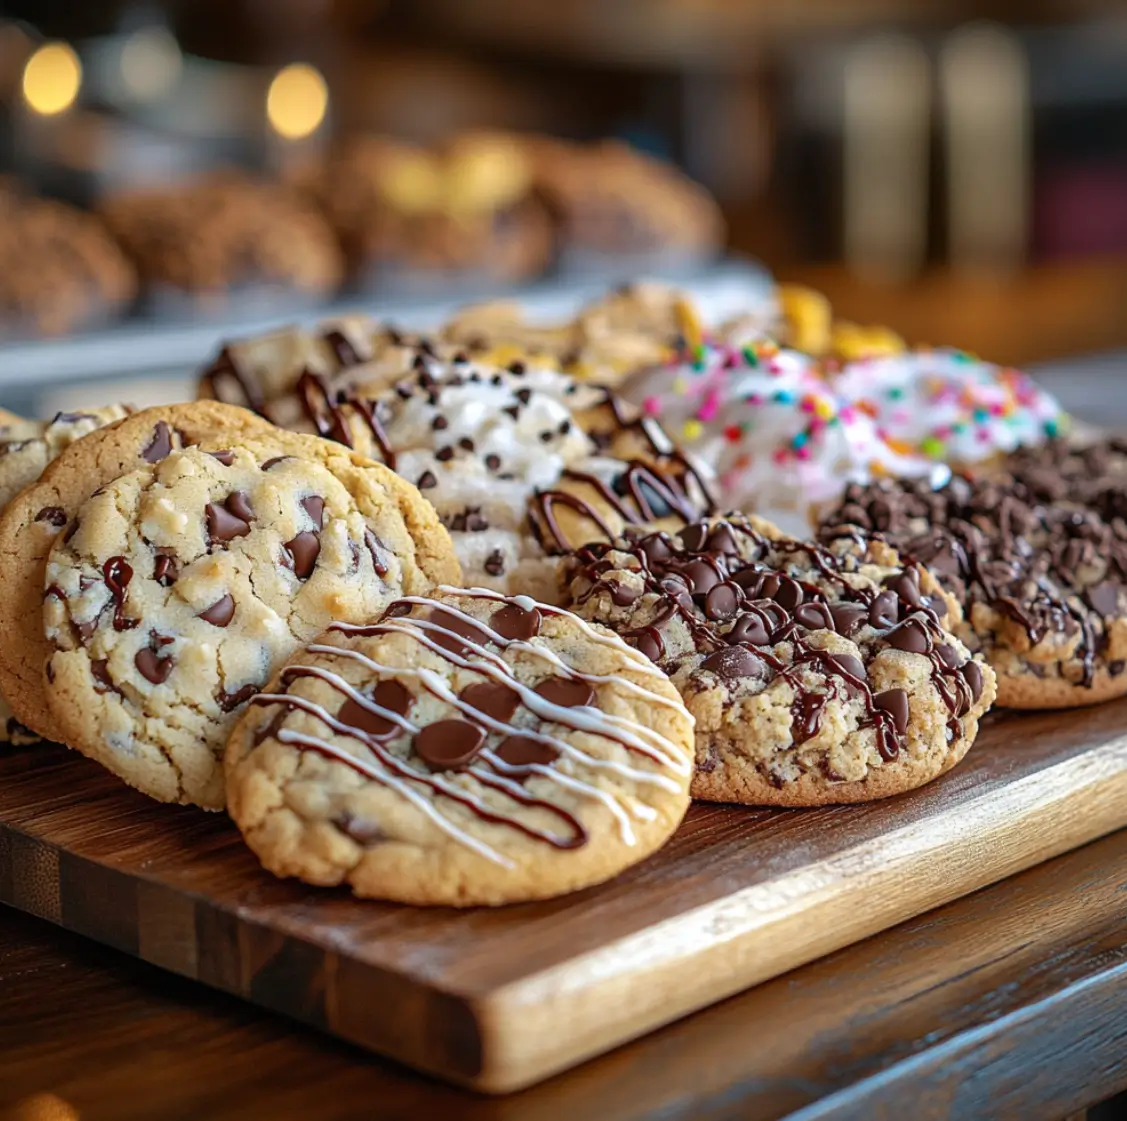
{"x": 60, "y": 271}
{"x": 226, "y": 234}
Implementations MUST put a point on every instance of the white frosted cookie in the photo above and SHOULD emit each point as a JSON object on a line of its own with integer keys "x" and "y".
{"x": 462, "y": 749}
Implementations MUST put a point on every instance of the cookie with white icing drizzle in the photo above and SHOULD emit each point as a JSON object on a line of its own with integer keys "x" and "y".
{"x": 463, "y": 749}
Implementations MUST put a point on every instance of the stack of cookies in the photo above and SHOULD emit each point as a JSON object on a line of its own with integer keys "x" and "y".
{"x": 448, "y": 620}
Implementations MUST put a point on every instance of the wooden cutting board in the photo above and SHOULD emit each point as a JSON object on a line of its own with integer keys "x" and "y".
{"x": 499, "y": 999}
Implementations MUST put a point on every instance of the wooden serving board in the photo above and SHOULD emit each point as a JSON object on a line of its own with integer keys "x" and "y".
{"x": 499, "y": 999}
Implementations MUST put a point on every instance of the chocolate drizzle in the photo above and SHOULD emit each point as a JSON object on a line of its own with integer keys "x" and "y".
{"x": 479, "y": 739}
{"x": 739, "y": 597}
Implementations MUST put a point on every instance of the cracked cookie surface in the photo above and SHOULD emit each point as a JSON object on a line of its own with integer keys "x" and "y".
{"x": 815, "y": 675}
{"x": 178, "y": 588}
{"x": 465, "y": 748}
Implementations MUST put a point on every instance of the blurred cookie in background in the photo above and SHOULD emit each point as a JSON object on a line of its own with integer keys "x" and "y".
{"x": 420, "y": 217}
{"x": 60, "y": 270}
{"x": 226, "y": 236}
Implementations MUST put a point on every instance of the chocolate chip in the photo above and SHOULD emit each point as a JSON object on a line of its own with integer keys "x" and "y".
{"x": 733, "y": 663}
{"x": 427, "y": 480}
{"x": 220, "y": 613}
{"x": 161, "y": 444}
{"x": 848, "y": 617}
{"x": 1115, "y": 668}
{"x": 906, "y": 586}
{"x": 566, "y": 692}
{"x": 694, "y": 538}
{"x": 884, "y": 611}
{"x": 622, "y": 595}
{"x": 466, "y": 444}
{"x": 493, "y": 699}
{"x": 515, "y": 623}
{"x": 751, "y": 580}
{"x": 152, "y": 666}
{"x": 701, "y": 577}
{"x": 789, "y": 593}
{"x": 455, "y": 630}
{"x": 440, "y": 423}
{"x": 910, "y": 637}
{"x": 749, "y": 628}
{"x": 231, "y": 520}
{"x": 723, "y": 541}
{"x": 444, "y": 454}
{"x": 449, "y": 745}
{"x": 304, "y": 549}
{"x": 972, "y": 675}
{"x": 814, "y": 617}
{"x": 721, "y": 602}
{"x": 492, "y": 462}
{"x": 849, "y": 664}
{"x": 655, "y": 548}
{"x": 56, "y": 515}
{"x": 649, "y": 645}
{"x": 517, "y": 368}
{"x": 275, "y": 461}
{"x": 228, "y": 702}
{"x": 524, "y": 751}
{"x": 523, "y": 396}
{"x": 100, "y": 671}
{"x": 948, "y": 655}
{"x": 1104, "y": 598}
{"x": 495, "y": 563}
{"x": 512, "y": 410}
{"x": 225, "y": 457}
{"x": 314, "y": 506}
{"x": 895, "y": 703}
{"x": 376, "y": 550}
{"x": 392, "y": 695}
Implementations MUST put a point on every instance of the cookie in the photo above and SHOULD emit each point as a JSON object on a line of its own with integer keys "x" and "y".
{"x": 463, "y": 749}
{"x": 1043, "y": 584}
{"x": 815, "y": 675}
{"x": 180, "y": 587}
{"x": 35, "y": 517}
{"x": 60, "y": 270}
{"x": 224, "y": 234}
{"x": 27, "y": 446}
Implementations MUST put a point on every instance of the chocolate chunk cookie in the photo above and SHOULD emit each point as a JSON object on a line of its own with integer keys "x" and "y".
{"x": 178, "y": 588}
{"x": 463, "y": 749}
{"x": 1042, "y": 579}
{"x": 37, "y": 515}
{"x": 815, "y": 674}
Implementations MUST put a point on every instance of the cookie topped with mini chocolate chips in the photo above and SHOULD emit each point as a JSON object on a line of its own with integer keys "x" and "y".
{"x": 816, "y": 674}
{"x": 175, "y": 590}
{"x": 1039, "y": 565}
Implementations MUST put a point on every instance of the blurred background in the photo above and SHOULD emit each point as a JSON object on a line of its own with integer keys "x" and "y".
{"x": 955, "y": 169}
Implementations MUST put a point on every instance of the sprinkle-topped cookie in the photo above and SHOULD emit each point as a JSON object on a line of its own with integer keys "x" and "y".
{"x": 815, "y": 674}
{"x": 463, "y": 748}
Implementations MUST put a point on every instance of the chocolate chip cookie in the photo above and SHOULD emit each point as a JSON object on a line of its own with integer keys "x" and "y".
{"x": 463, "y": 749}
{"x": 1042, "y": 579}
{"x": 815, "y": 674}
{"x": 178, "y": 588}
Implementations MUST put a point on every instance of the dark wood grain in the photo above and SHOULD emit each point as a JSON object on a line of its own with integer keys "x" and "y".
{"x": 1011, "y": 1002}
{"x": 499, "y": 998}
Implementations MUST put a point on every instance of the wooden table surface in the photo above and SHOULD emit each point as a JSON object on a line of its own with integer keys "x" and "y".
{"x": 1009, "y": 1003}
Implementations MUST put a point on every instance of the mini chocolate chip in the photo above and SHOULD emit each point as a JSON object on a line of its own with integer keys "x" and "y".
{"x": 466, "y": 444}
{"x": 427, "y": 480}
{"x": 161, "y": 444}
{"x": 449, "y": 745}
{"x": 516, "y": 623}
{"x": 225, "y": 457}
{"x": 884, "y": 611}
{"x": 547, "y": 437}
{"x": 1104, "y": 598}
{"x": 789, "y": 593}
{"x": 304, "y": 549}
{"x": 850, "y": 665}
{"x": 895, "y": 703}
{"x": 524, "y": 751}
{"x": 749, "y": 628}
{"x": 492, "y": 462}
{"x": 444, "y": 454}
{"x": 523, "y": 396}
{"x": 220, "y": 613}
{"x": 814, "y": 617}
{"x": 495, "y": 563}
{"x": 565, "y": 427}
{"x": 848, "y": 617}
{"x": 56, "y": 515}
{"x": 152, "y": 666}
{"x": 375, "y": 549}
{"x": 733, "y": 663}
{"x": 228, "y": 702}
{"x": 910, "y": 637}
{"x": 100, "y": 671}
{"x": 314, "y": 506}
{"x": 275, "y": 461}
{"x": 495, "y": 700}
{"x": 972, "y": 675}
{"x": 439, "y": 423}
{"x": 512, "y": 410}
{"x": 517, "y": 368}
{"x": 701, "y": 577}
{"x": 566, "y": 692}
{"x": 721, "y": 602}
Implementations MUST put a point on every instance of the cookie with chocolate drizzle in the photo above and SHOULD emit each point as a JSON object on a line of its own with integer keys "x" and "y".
{"x": 463, "y": 748}
{"x": 1037, "y": 558}
{"x": 816, "y": 674}
{"x": 177, "y": 589}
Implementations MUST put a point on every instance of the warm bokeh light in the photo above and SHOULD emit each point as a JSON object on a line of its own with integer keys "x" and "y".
{"x": 44, "y": 1107}
{"x": 150, "y": 63}
{"x": 297, "y": 101}
{"x": 51, "y": 79}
